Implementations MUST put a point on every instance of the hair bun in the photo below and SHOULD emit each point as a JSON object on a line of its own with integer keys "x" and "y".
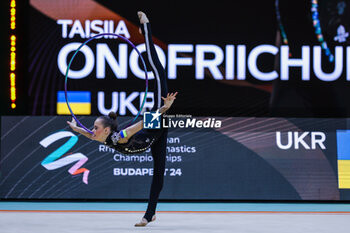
{"x": 112, "y": 115}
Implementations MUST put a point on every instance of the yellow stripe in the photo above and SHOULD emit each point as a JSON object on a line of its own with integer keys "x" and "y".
{"x": 77, "y": 108}
{"x": 344, "y": 174}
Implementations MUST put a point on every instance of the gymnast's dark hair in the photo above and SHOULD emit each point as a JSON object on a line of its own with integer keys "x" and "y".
{"x": 110, "y": 121}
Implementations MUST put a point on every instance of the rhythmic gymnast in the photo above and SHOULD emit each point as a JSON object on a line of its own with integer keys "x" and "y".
{"x": 135, "y": 139}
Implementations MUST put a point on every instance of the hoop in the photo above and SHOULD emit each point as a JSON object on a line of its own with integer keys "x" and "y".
{"x": 71, "y": 60}
{"x": 318, "y": 31}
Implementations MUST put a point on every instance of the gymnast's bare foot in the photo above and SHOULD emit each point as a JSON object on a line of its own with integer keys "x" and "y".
{"x": 142, "y": 17}
{"x": 144, "y": 222}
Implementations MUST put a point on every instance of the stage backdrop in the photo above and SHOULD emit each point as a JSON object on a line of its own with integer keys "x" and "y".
{"x": 224, "y": 58}
{"x": 244, "y": 159}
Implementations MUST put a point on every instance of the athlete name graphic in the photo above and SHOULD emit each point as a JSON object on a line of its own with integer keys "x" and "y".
{"x": 54, "y": 161}
{"x": 238, "y": 59}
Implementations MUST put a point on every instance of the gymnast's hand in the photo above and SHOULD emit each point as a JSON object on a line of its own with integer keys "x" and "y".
{"x": 72, "y": 124}
{"x": 169, "y": 99}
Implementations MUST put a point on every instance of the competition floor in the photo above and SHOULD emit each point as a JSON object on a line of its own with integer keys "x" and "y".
{"x": 52, "y": 217}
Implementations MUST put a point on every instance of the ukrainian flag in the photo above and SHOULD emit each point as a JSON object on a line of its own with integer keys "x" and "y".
{"x": 343, "y": 148}
{"x": 79, "y": 101}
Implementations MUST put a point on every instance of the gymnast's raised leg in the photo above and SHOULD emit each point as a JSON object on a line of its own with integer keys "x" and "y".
{"x": 159, "y": 147}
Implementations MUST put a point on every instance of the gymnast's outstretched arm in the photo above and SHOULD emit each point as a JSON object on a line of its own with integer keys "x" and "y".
{"x": 73, "y": 125}
{"x": 131, "y": 130}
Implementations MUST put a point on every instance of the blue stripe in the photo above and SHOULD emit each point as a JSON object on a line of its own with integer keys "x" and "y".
{"x": 343, "y": 144}
{"x": 123, "y": 133}
{"x": 60, "y": 151}
{"x": 178, "y": 206}
{"x": 74, "y": 97}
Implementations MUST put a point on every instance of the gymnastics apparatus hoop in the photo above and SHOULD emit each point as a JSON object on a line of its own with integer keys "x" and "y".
{"x": 71, "y": 60}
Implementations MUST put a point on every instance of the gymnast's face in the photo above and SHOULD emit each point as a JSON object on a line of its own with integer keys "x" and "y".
{"x": 100, "y": 133}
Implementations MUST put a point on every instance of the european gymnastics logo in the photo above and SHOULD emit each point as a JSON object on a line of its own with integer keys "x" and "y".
{"x": 54, "y": 161}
